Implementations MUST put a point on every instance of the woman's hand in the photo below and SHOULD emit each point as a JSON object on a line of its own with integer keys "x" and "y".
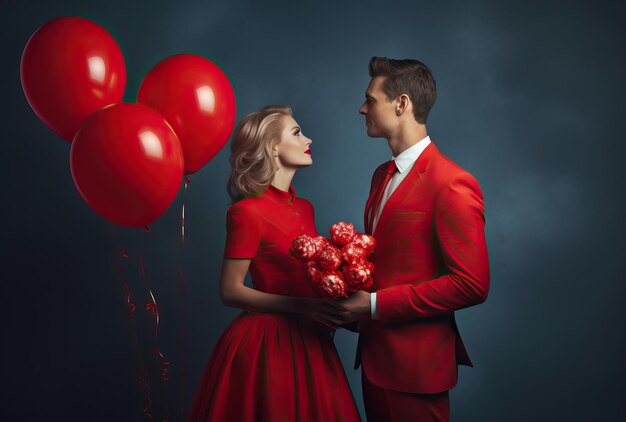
{"x": 234, "y": 293}
{"x": 324, "y": 311}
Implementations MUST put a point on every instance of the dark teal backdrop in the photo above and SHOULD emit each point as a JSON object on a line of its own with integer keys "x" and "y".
{"x": 529, "y": 102}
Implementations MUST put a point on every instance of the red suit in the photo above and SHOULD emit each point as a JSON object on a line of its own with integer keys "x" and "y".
{"x": 430, "y": 260}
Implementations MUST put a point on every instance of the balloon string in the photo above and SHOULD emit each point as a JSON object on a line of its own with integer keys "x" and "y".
{"x": 144, "y": 381}
{"x": 152, "y": 306}
{"x": 183, "y": 315}
{"x": 121, "y": 257}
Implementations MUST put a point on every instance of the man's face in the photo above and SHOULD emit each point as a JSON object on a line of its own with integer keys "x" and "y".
{"x": 380, "y": 113}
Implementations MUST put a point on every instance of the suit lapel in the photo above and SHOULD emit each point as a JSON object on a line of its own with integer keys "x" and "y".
{"x": 407, "y": 186}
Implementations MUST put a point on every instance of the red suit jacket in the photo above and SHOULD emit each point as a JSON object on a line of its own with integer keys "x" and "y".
{"x": 430, "y": 260}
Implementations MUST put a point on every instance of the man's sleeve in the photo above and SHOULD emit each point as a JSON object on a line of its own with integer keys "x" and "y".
{"x": 459, "y": 225}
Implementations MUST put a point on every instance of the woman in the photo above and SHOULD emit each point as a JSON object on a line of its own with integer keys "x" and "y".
{"x": 276, "y": 361}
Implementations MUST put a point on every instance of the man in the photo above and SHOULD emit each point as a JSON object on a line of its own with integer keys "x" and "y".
{"x": 426, "y": 214}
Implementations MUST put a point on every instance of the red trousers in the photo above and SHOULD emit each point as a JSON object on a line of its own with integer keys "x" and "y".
{"x": 382, "y": 405}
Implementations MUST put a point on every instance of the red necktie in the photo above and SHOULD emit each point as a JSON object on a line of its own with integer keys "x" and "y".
{"x": 391, "y": 169}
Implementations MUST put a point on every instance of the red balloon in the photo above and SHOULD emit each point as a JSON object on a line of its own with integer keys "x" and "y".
{"x": 70, "y": 68}
{"x": 127, "y": 164}
{"x": 196, "y": 98}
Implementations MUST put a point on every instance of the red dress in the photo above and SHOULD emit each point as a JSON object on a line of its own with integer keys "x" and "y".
{"x": 273, "y": 367}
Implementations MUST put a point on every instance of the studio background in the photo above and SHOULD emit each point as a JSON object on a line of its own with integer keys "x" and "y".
{"x": 529, "y": 100}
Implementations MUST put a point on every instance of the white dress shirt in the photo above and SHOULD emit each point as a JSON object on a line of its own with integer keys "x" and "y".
{"x": 404, "y": 162}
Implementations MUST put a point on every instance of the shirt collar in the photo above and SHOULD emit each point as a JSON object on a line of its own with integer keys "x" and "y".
{"x": 281, "y": 195}
{"x": 406, "y": 158}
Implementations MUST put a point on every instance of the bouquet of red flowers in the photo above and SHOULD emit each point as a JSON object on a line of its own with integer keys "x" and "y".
{"x": 338, "y": 265}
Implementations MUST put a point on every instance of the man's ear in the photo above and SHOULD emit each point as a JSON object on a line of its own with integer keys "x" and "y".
{"x": 403, "y": 104}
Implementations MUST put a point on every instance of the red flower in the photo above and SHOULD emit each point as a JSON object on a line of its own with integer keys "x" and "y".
{"x": 352, "y": 253}
{"x": 320, "y": 243}
{"x": 329, "y": 259}
{"x": 358, "y": 276}
{"x": 313, "y": 273}
{"x": 303, "y": 248}
{"x": 342, "y": 233}
{"x": 332, "y": 285}
{"x": 365, "y": 241}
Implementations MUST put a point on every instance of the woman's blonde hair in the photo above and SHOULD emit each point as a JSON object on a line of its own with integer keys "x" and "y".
{"x": 251, "y": 159}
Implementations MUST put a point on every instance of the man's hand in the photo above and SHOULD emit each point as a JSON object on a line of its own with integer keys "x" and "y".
{"x": 356, "y": 307}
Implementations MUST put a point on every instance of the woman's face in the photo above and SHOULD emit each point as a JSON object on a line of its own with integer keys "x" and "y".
{"x": 293, "y": 148}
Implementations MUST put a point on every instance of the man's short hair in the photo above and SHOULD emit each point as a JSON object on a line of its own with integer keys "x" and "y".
{"x": 410, "y": 77}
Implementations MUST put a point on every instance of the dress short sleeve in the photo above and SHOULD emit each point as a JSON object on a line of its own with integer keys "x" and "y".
{"x": 243, "y": 233}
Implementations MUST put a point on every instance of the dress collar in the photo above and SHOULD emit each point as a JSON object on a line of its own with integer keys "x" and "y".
{"x": 281, "y": 195}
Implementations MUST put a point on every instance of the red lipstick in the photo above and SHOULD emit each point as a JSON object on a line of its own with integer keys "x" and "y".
{"x": 308, "y": 151}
